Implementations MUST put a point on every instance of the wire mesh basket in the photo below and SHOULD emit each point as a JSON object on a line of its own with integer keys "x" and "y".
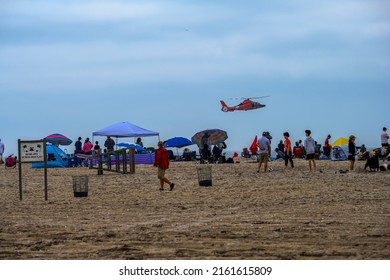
{"x": 205, "y": 176}
{"x": 80, "y": 186}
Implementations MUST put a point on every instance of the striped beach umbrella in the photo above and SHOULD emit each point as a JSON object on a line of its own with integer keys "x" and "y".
{"x": 58, "y": 139}
{"x": 214, "y": 136}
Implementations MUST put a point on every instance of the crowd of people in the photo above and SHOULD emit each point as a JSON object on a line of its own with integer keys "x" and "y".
{"x": 310, "y": 150}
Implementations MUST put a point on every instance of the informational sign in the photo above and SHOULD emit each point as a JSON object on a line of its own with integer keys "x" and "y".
{"x": 31, "y": 151}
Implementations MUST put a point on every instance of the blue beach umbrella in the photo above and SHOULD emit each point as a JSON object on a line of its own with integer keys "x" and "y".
{"x": 177, "y": 142}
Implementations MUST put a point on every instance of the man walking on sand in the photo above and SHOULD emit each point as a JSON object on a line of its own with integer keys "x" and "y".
{"x": 264, "y": 145}
{"x": 310, "y": 150}
{"x": 162, "y": 162}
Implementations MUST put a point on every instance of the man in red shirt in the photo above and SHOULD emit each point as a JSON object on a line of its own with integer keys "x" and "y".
{"x": 162, "y": 162}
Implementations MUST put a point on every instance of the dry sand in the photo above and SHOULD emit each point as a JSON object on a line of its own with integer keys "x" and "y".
{"x": 287, "y": 214}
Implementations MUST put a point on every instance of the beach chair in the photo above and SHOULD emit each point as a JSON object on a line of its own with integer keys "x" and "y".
{"x": 189, "y": 156}
{"x": 254, "y": 151}
{"x": 298, "y": 152}
{"x": 245, "y": 153}
{"x": 171, "y": 156}
{"x": 73, "y": 161}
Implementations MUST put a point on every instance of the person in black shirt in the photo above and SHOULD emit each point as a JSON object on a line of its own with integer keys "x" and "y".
{"x": 351, "y": 152}
{"x": 109, "y": 144}
{"x": 78, "y": 146}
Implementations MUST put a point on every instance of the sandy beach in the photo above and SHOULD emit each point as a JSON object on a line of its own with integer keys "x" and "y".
{"x": 286, "y": 214}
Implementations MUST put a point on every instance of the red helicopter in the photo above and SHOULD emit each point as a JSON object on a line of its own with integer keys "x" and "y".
{"x": 247, "y": 104}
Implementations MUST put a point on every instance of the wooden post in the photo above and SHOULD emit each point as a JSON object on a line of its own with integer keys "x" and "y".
{"x": 117, "y": 165}
{"x": 20, "y": 172}
{"x": 45, "y": 168}
{"x": 124, "y": 161}
{"x": 100, "y": 164}
{"x": 90, "y": 162}
{"x": 131, "y": 161}
{"x": 108, "y": 159}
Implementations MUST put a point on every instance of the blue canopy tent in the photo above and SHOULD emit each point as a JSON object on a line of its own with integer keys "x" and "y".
{"x": 124, "y": 129}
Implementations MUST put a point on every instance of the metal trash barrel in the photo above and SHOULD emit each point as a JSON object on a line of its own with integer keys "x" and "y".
{"x": 80, "y": 186}
{"x": 205, "y": 176}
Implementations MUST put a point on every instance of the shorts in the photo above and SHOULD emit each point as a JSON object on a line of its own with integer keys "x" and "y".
{"x": 160, "y": 173}
{"x": 351, "y": 158}
{"x": 264, "y": 158}
{"x": 310, "y": 156}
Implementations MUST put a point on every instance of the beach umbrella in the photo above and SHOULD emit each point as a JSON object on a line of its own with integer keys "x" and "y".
{"x": 58, "y": 139}
{"x": 177, "y": 142}
{"x": 340, "y": 142}
{"x": 216, "y": 136}
{"x": 135, "y": 146}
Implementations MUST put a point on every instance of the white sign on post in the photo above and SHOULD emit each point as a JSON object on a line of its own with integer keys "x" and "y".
{"x": 31, "y": 151}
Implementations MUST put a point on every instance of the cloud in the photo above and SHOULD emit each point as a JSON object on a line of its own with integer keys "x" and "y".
{"x": 192, "y": 43}
{"x": 77, "y": 11}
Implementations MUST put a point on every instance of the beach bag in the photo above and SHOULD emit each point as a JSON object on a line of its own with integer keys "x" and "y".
{"x": 10, "y": 162}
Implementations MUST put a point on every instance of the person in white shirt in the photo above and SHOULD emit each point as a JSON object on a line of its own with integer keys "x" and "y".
{"x": 385, "y": 138}
{"x": 2, "y": 147}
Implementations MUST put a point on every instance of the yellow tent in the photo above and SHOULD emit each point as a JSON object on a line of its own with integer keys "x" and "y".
{"x": 340, "y": 142}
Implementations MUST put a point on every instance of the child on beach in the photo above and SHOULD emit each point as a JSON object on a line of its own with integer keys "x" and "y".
{"x": 162, "y": 162}
{"x": 287, "y": 150}
{"x": 310, "y": 148}
{"x": 96, "y": 148}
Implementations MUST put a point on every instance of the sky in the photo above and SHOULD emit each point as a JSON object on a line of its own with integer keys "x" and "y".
{"x": 74, "y": 67}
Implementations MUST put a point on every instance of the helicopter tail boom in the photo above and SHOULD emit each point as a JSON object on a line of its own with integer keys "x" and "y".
{"x": 225, "y": 108}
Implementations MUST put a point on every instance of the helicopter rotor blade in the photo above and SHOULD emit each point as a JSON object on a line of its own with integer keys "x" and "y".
{"x": 257, "y": 97}
{"x": 244, "y": 98}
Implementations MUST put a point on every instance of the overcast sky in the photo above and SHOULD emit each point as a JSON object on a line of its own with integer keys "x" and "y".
{"x": 74, "y": 67}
